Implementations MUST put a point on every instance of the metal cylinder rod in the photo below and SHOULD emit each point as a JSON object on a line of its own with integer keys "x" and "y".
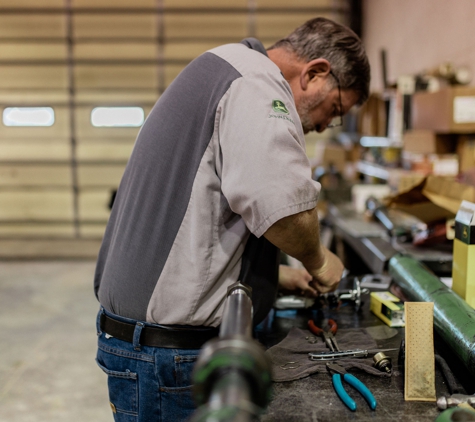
{"x": 232, "y": 389}
{"x": 232, "y": 375}
{"x": 237, "y": 315}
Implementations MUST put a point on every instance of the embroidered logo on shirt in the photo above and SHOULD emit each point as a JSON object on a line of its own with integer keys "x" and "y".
{"x": 279, "y": 107}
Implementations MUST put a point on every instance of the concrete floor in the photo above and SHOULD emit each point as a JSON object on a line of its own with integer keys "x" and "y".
{"x": 48, "y": 344}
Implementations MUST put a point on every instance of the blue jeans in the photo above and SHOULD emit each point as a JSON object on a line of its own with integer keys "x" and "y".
{"x": 148, "y": 384}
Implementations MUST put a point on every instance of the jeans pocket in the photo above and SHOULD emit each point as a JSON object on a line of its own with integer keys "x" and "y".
{"x": 123, "y": 393}
{"x": 177, "y": 404}
{"x": 184, "y": 365}
{"x": 176, "y": 395}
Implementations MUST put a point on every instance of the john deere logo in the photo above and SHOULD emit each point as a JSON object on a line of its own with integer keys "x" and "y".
{"x": 279, "y": 107}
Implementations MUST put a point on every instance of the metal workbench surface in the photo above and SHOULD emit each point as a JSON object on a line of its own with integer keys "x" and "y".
{"x": 314, "y": 399}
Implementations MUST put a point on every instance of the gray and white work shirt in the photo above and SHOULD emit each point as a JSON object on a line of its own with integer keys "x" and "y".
{"x": 221, "y": 155}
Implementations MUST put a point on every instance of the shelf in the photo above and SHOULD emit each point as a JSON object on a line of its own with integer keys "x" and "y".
{"x": 381, "y": 172}
{"x": 380, "y": 141}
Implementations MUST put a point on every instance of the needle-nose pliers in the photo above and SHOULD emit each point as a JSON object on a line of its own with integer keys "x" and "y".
{"x": 339, "y": 373}
{"x": 327, "y": 335}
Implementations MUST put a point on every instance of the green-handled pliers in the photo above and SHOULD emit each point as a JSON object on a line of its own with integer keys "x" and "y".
{"x": 339, "y": 373}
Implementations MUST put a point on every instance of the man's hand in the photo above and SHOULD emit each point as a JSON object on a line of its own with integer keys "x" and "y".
{"x": 296, "y": 279}
{"x": 298, "y": 235}
{"x": 327, "y": 277}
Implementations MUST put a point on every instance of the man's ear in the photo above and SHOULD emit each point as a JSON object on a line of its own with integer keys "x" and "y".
{"x": 314, "y": 69}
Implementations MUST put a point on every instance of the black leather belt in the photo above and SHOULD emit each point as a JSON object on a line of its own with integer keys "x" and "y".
{"x": 173, "y": 338}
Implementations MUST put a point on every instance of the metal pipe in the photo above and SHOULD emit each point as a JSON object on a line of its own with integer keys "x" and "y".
{"x": 454, "y": 319}
{"x": 232, "y": 375}
{"x": 237, "y": 315}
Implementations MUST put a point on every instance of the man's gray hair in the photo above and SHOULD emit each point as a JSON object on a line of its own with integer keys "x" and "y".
{"x": 323, "y": 38}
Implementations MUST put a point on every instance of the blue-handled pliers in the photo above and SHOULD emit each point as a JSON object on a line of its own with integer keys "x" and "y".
{"x": 340, "y": 372}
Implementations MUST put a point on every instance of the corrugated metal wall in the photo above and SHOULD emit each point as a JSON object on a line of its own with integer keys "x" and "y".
{"x": 75, "y": 55}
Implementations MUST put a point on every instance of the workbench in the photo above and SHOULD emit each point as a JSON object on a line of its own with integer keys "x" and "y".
{"x": 314, "y": 399}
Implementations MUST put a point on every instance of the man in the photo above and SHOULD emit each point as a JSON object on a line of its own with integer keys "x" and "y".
{"x": 218, "y": 176}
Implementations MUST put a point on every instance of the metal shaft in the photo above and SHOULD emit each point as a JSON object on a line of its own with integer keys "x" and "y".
{"x": 232, "y": 376}
{"x": 237, "y": 315}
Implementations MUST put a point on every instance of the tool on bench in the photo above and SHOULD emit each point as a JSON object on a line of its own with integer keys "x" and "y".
{"x": 340, "y": 373}
{"x": 382, "y": 362}
{"x": 346, "y": 354}
{"x": 444, "y": 402}
{"x": 327, "y": 335}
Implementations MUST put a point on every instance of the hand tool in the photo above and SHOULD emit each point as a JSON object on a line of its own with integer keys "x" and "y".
{"x": 327, "y": 335}
{"x": 340, "y": 373}
{"x": 454, "y": 400}
{"x": 355, "y": 353}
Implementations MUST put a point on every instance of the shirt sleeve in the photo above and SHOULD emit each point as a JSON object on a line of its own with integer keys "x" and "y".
{"x": 265, "y": 172}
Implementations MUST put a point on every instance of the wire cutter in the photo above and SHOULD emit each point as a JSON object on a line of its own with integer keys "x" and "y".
{"x": 328, "y": 335}
{"x": 354, "y": 382}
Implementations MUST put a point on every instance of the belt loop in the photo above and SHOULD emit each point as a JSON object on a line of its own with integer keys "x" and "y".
{"x": 98, "y": 321}
{"x": 137, "y": 332}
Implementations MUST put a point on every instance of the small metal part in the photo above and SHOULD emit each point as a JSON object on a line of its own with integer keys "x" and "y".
{"x": 354, "y": 294}
{"x": 311, "y": 339}
{"x": 293, "y": 302}
{"x": 290, "y": 365}
{"x": 376, "y": 282}
{"x": 444, "y": 402}
{"x": 356, "y": 353}
{"x": 382, "y": 362}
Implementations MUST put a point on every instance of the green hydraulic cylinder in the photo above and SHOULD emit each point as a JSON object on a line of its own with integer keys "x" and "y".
{"x": 454, "y": 319}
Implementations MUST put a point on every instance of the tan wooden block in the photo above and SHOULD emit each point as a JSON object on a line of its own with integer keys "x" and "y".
{"x": 36, "y": 204}
{"x": 59, "y": 130}
{"x": 110, "y": 76}
{"x": 206, "y": 25}
{"x": 14, "y": 77}
{"x": 122, "y": 25}
{"x": 106, "y": 176}
{"x": 124, "y": 51}
{"x": 32, "y": 26}
{"x": 105, "y": 151}
{"x": 35, "y": 175}
{"x": 94, "y": 205}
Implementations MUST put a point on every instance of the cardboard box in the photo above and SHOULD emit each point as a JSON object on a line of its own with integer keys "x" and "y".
{"x": 450, "y": 110}
{"x": 426, "y": 164}
{"x": 436, "y": 198}
{"x": 463, "y": 270}
{"x": 388, "y": 308}
{"x": 466, "y": 152}
{"x": 429, "y": 142}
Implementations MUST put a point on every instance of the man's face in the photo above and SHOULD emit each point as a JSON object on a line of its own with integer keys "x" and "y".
{"x": 318, "y": 107}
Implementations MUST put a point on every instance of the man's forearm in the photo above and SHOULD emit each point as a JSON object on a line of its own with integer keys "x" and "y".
{"x": 299, "y": 236}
